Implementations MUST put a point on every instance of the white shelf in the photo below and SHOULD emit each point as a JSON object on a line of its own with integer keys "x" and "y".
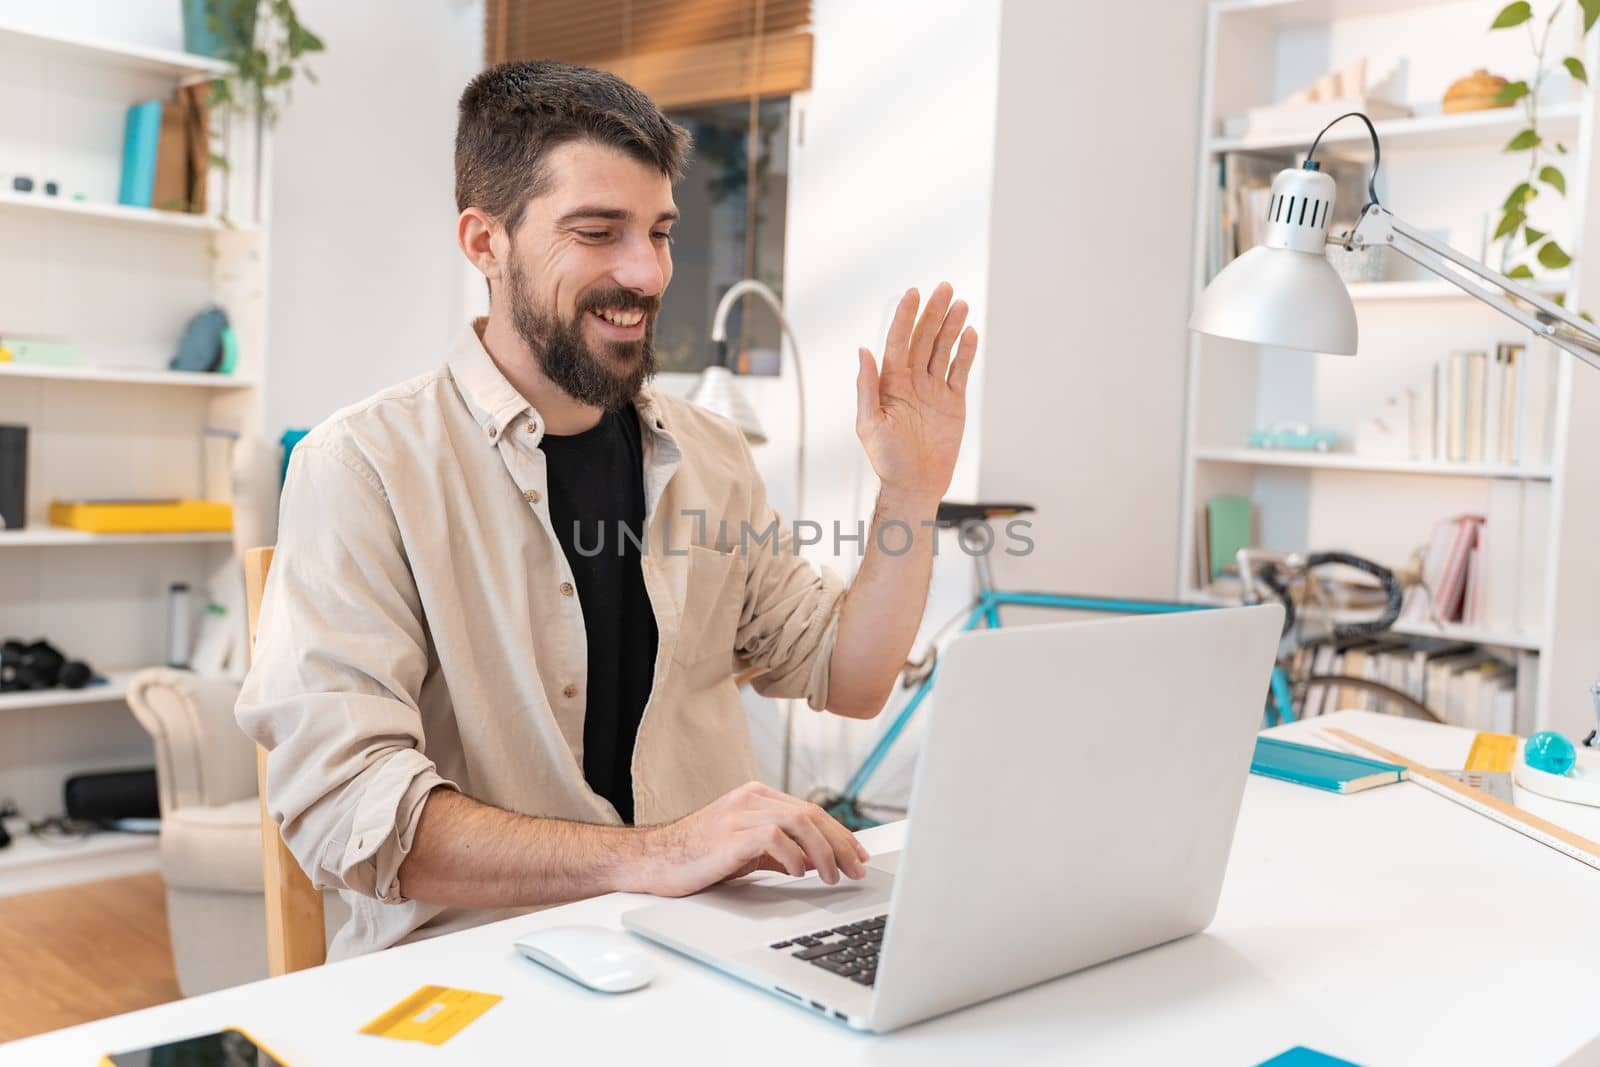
{"x": 1464, "y": 634}
{"x": 1493, "y": 128}
{"x": 59, "y": 537}
{"x": 116, "y": 688}
{"x": 1439, "y": 289}
{"x": 180, "y": 65}
{"x": 30, "y": 864}
{"x": 124, "y": 376}
{"x": 1287, "y": 13}
{"x": 1344, "y": 461}
{"x": 118, "y": 213}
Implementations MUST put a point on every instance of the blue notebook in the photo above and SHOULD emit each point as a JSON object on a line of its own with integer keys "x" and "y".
{"x": 1300, "y": 1056}
{"x": 140, "y": 138}
{"x": 1321, "y": 768}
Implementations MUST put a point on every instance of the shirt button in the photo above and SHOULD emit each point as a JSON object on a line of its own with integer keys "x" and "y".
{"x": 531, "y": 496}
{"x": 531, "y": 426}
{"x": 570, "y": 691}
{"x": 566, "y": 589}
{"x": 493, "y": 432}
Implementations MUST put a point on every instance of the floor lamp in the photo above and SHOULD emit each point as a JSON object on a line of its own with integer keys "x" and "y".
{"x": 718, "y": 392}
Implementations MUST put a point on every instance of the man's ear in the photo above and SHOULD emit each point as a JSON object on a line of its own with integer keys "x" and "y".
{"x": 483, "y": 241}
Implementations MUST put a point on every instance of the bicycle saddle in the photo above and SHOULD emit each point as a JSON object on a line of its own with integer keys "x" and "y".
{"x": 952, "y": 514}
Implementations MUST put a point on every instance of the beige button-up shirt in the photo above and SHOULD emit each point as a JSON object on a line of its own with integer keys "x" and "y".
{"x": 421, "y": 629}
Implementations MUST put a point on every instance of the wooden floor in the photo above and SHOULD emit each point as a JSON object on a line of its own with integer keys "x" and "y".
{"x": 71, "y": 955}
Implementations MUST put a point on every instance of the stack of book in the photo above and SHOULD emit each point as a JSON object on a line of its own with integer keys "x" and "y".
{"x": 1478, "y": 408}
{"x": 1487, "y": 571}
{"x": 1462, "y": 684}
{"x": 166, "y": 153}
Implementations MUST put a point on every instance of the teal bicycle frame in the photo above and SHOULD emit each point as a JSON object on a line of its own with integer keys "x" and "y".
{"x": 986, "y": 612}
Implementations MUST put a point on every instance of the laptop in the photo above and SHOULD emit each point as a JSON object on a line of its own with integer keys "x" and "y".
{"x": 1074, "y": 802}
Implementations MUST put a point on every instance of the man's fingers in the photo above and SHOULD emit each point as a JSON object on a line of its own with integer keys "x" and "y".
{"x": 846, "y": 849}
{"x": 796, "y": 822}
{"x": 899, "y": 341}
{"x": 774, "y": 842}
{"x": 947, "y": 339}
{"x": 928, "y": 326}
{"x": 962, "y": 364}
{"x": 866, "y": 389}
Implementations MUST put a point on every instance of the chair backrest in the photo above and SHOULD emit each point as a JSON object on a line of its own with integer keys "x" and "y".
{"x": 295, "y": 936}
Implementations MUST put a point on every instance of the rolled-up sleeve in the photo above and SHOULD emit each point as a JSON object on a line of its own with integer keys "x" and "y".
{"x": 790, "y": 618}
{"x": 332, "y": 694}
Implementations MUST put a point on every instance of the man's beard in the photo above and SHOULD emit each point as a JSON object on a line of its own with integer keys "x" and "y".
{"x": 565, "y": 356}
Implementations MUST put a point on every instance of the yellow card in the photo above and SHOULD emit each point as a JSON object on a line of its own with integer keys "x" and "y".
{"x": 433, "y": 1015}
{"x": 1492, "y": 752}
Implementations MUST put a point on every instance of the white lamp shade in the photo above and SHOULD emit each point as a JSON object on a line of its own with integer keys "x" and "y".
{"x": 1279, "y": 297}
{"x": 718, "y": 393}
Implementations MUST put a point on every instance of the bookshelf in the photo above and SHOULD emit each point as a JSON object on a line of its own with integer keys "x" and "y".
{"x": 1446, "y": 174}
{"x": 121, "y": 283}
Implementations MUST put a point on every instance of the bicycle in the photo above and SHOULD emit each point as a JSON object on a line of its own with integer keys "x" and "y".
{"x": 1279, "y": 574}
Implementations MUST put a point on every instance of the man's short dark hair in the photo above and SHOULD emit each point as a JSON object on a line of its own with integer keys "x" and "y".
{"x": 513, "y": 114}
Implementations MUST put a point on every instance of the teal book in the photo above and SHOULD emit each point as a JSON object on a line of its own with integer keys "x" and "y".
{"x": 1229, "y": 522}
{"x": 1321, "y": 768}
{"x": 140, "y": 136}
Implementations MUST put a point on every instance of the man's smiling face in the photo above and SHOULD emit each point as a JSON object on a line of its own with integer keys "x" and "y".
{"x": 589, "y": 262}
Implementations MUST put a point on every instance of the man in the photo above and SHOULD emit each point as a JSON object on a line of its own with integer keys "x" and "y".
{"x": 494, "y": 661}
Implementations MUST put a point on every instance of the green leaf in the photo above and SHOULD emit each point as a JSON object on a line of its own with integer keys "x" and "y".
{"x": 1525, "y": 140}
{"x": 1576, "y": 68}
{"x": 1559, "y": 300}
{"x": 1554, "y": 179}
{"x": 220, "y": 161}
{"x": 1532, "y": 236}
{"x": 1513, "y": 15}
{"x": 1561, "y": 148}
{"x": 1521, "y": 270}
{"x": 1518, "y": 197}
{"x": 1552, "y": 255}
{"x": 1513, "y": 92}
{"x": 1591, "y": 12}
{"x": 1509, "y": 224}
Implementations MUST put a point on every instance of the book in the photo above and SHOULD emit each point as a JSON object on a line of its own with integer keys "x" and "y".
{"x": 1511, "y": 408}
{"x": 1228, "y": 528}
{"x": 1536, "y": 398}
{"x": 140, "y": 138}
{"x": 1531, "y": 556}
{"x": 1493, "y": 404}
{"x": 1321, "y": 768}
{"x": 182, "y": 152}
{"x": 1472, "y": 417}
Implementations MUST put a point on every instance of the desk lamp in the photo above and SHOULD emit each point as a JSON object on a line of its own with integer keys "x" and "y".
{"x": 1284, "y": 292}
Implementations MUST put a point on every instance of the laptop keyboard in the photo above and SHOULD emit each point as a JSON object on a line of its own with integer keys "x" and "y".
{"x": 849, "y": 951}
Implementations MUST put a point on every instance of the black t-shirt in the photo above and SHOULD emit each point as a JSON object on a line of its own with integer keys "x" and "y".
{"x": 596, "y": 489}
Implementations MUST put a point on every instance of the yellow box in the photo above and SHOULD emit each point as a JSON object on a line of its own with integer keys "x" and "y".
{"x": 143, "y": 516}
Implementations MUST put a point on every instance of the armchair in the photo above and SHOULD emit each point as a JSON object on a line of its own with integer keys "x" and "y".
{"x": 210, "y": 829}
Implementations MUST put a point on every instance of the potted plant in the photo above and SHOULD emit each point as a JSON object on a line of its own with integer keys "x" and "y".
{"x": 267, "y": 45}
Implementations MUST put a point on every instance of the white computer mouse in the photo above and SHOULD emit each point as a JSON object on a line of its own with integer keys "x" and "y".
{"x": 593, "y": 956}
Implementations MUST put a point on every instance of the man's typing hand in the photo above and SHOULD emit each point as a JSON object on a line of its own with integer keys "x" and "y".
{"x": 752, "y": 828}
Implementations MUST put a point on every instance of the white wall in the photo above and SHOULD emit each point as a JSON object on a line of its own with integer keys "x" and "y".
{"x": 1089, "y": 288}
{"x": 364, "y": 278}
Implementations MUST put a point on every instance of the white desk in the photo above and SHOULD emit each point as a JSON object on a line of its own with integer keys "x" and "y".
{"x": 1388, "y": 927}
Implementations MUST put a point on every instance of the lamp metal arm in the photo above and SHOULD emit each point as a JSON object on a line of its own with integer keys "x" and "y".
{"x": 1379, "y": 228}
{"x": 719, "y": 338}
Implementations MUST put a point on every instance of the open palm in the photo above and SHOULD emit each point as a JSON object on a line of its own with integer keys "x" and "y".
{"x": 911, "y": 413}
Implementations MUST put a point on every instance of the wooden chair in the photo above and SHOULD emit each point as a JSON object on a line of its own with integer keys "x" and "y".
{"x": 295, "y": 936}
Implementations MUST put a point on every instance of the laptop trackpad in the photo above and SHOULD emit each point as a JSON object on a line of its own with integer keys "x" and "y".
{"x": 775, "y": 900}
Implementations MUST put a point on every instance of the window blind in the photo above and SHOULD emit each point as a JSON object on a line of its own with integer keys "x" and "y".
{"x": 681, "y": 53}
